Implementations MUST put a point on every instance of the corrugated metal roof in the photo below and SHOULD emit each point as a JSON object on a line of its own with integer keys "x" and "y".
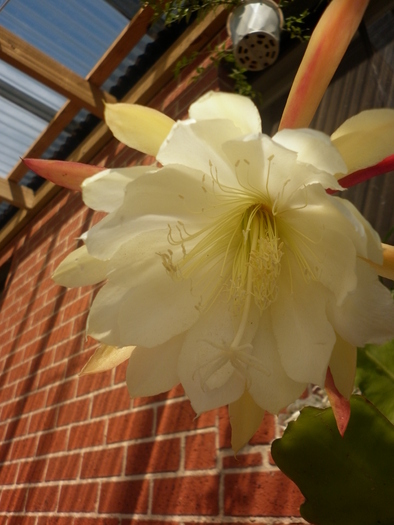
{"x": 74, "y": 33}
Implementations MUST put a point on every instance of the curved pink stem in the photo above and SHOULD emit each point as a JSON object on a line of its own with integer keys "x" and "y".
{"x": 325, "y": 50}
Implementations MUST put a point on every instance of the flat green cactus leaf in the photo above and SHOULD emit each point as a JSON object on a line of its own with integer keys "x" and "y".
{"x": 345, "y": 481}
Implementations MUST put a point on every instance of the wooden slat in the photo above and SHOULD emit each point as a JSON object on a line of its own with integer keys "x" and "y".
{"x": 15, "y": 194}
{"x": 195, "y": 37}
{"x": 43, "y": 68}
{"x": 121, "y": 47}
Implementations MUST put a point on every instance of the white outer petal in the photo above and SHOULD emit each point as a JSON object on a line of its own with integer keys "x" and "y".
{"x": 198, "y": 145}
{"x": 240, "y": 110}
{"x": 367, "y": 315}
{"x": 343, "y": 364}
{"x": 139, "y": 127}
{"x": 304, "y": 335}
{"x": 80, "y": 269}
{"x": 152, "y": 371}
{"x": 105, "y": 190}
{"x": 275, "y": 389}
{"x": 312, "y": 147}
{"x": 366, "y": 138}
{"x": 146, "y": 315}
{"x": 152, "y": 202}
{"x": 197, "y": 356}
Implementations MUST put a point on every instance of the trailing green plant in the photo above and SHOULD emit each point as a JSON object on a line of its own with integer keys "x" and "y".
{"x": 178, "y": 10}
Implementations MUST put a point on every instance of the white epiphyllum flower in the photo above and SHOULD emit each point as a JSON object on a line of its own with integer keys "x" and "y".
{"x": 230, "y": 268}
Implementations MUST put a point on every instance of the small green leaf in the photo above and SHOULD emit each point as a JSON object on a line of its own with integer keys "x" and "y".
{"x": 375, "y": 376}
{"x": 345, "y": 481}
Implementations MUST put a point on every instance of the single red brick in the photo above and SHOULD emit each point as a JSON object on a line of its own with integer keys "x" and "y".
{"x": 24, "y": 448}
{"x": 52, "y": 375}
{"x": 43, "y": 420}
{"x": 73, "y": 411}
{"x": 8, "y": 473}
{"x": 154, "y": 456}
{"x": 50, "y": 442}
{"x": 34, "y": 401}
{"x": 92, "y": 382}
{"x": 16, "y": 373}
{"x": 198, "y": 495}
{"x": 115, "y": 400}
{"x": 102, "y": 463}
{"x": 136, "y": 424}
{"x": 13, "y": 500}
{"x": 200, "y": 451}
{"x": 43, "y": 360}
{"x": 136, "y": 521}
{"x": 17, "y": 427}
{"x": 27, "y": 520}
{"x": 179, "y": 416}
{"x": 98, "y": 521}
{"x": 63, "y": 467}
{"x": 124, "y": 497}
{"x": 243, "y": 460}
{"x": 42, "y": 499}
{"x": 78, "y": 497}
{"x": 261, "y": 494}
{"x": 62, "y": 391}
{"x": 52, "y": 520}
{"x": 86, "y": 435}
{"x": 32, "y": 471}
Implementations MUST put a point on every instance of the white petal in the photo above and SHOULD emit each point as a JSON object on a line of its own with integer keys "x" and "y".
{"x": 152, "y": 202}
{"x": 139, "y": 127}
{"x": 366, "y": 138}
{"x": 312, "y": 147}
{"x": 275, "y": 389}
{"x": 146, "y": 315}
{"x": 303, "y": 333}
{"x": 324, "y": 253}
{"x": 209, "y": 379}
{"x": 367, "y": 315}
{"x": 105, "y": 191}
{"x": 343, "y": 366}
{"x": 198, "y": 145}
{"x": 267, "y": 167}
{"x": 105, "y": 358}
{"x": 366, "y": 240}
{"x": 152, "y": 371}
{"x": 245, "y": 418}
{"x": 80, "y": 269}
{"x": 240, "y": 110}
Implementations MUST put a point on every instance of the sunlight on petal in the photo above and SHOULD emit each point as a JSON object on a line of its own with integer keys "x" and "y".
{"x": 105, "y": 358}
{"x": 245, "y": 418}
{"x": 80, "y": 269}
{"x": 343, "y": 366}
{"x": 139, "y": 127}
{"x": 365, "y": 139}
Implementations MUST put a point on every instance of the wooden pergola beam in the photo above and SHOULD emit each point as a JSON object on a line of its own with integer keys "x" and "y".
{"x": 120, "y": 48}
{"x": 45, "y": 69}
{"x": 17, "y": 195}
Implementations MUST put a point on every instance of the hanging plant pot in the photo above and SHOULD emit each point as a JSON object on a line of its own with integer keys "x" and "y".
{"x": 254, "y": 28}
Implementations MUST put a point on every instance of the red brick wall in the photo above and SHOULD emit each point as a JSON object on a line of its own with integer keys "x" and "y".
{"x": 76, "y": 450}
